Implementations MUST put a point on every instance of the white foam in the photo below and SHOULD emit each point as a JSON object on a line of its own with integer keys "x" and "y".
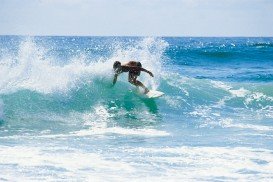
{"x": 207, "y": 163}
{"x": 100, "y": 118}
{"x": 99, "y": 132}
{"x": 249, "y": 97}
{"x": 229, "y": 123}
{"x": 221, "y": 85}
{"x": 121, "y": 131}
{"x": 210, "y": 117}
{"x": 72, "y": 163}
{"x": 202, "y": 111}
{"x": 33, "y": 69}
{"x": 257, "y": 96}
{"x": 136, "y": 163}
{"x": 239, "y": 93}
{"x": 174, "y": 101}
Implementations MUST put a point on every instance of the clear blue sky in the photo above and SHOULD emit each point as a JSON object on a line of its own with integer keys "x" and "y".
{"x": 137, "y": 17}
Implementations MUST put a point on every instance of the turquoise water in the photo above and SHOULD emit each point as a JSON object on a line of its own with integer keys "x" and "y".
{"x": 60, "y": 119}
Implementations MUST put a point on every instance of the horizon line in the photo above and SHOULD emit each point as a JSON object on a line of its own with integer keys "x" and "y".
{"x": 183, "y": 36}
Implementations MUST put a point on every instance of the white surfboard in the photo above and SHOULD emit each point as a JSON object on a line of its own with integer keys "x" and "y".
{"x": 154, "y": 94}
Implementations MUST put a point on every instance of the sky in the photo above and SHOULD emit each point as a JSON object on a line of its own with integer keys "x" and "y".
{"x": 137, "y": 17}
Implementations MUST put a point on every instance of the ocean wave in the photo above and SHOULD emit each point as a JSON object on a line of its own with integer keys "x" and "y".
{"x": 35, "y": 84}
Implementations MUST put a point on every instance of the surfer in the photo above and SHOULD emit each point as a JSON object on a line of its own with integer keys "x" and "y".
{"x": 134, "y": 68}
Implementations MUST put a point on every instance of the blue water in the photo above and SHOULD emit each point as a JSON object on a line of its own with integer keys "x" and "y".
{"x": 60, "y": 118}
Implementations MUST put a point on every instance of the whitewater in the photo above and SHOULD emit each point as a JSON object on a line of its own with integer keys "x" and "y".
{"x": 61, "y": 119}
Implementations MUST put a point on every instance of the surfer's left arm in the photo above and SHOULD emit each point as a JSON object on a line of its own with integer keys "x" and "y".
{"x": 150, "y": 73}
{"x": 115, "y": 79}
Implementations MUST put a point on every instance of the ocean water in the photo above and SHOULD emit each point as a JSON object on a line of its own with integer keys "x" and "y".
{"x": 60, "y": 118}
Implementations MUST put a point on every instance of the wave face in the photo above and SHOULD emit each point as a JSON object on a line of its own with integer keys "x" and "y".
{"x": 57, "y": 103}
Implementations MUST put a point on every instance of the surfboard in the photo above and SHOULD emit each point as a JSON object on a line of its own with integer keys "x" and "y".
{"x": 154, "y": 94}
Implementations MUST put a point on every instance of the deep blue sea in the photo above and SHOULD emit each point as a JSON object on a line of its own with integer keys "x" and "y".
{"x": 61, "y": 119}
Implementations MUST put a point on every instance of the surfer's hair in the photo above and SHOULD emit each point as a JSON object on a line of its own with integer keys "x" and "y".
{"x": 116, "y": 64}
{"x": 139, "y": 64}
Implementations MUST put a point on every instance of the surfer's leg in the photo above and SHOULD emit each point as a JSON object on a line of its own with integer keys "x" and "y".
{"x": 133, "y": 80}
{"x": 140, "y": 84}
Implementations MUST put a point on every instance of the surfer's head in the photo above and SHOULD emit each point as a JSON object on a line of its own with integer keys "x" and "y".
{"x": 116, "y": 66}
{"x": 139, "y": 64}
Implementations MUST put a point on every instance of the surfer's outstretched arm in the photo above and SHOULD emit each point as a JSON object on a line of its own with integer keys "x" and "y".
{"x": 115, "y": 79}
{"x": 150, "y": 73}
{"x": 133, "y": 80}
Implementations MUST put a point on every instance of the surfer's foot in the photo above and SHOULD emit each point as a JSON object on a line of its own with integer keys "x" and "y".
{"x": 146, "y": 91}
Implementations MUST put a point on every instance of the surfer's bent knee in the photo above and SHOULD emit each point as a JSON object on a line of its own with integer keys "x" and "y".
{"x": 133, "y": 81}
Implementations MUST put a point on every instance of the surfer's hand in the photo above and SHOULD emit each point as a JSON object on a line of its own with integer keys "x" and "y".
{"x": 151, "y": 74}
